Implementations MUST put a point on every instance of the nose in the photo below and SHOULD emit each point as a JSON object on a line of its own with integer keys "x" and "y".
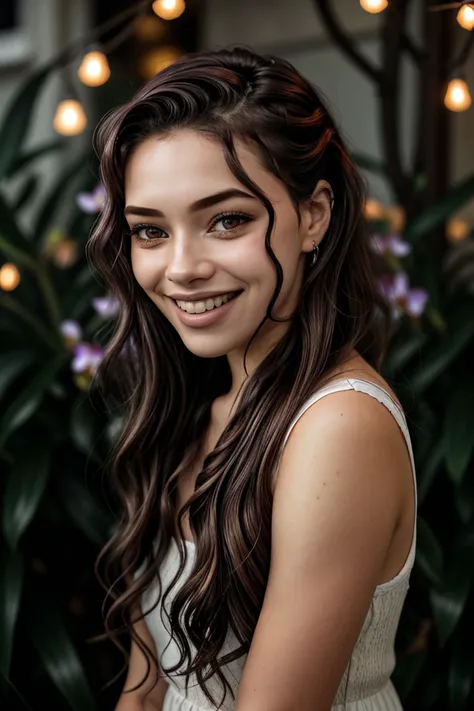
{"x": 187, "y": 261}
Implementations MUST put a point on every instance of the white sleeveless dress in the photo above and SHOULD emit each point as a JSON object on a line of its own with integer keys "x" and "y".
{"x": 366, "y": 684}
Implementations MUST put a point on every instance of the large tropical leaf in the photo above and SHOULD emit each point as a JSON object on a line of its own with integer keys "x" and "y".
{"x": 12, "y": 365}
{"x": 56, "y": 194}
{"x": 461, "y": 671}
{"x": 429, "y": 554}
{"x": 17, "y": 118}
{"x": 459, "y": 429}
{"x": 449, "y": 602}
{"x": 94, "y": 521}
{"x": 25, "y": 486}
{"x": 28, "y": 400}
{"x": 13, "y": 243}
{"x": 436, "y": 215}
{"x": 11, "y": 575}
{"x": 59, "y": 657}
{"x": 25, "y": 159}
{"x": 443, "y": 353}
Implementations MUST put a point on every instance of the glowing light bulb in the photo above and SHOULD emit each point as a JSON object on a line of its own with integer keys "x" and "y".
{"x": 9, "y": 277}
{"x": 149, "y": 28}
{"x": 457, "y": 230}
{"x": 94, "y": 69}
{"x": 69, "y": 119}
{"x": 157, "y": 59}
{"x": 169, "y": 9}
{"x": 457, "y": 96}
{"x": 374, "y": 210}
{"x": 465, "y": 16}
{"x": 374, "y": 6}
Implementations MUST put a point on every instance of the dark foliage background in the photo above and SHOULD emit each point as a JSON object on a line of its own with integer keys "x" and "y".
{"x": 55, "y": 435}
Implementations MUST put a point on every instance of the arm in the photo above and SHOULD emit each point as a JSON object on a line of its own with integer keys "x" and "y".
{"x": 337, "y": 502}
{"x": 139, "y": 700}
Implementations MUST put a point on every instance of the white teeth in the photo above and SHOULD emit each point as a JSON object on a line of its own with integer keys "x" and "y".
{"x": 199, "y": 307}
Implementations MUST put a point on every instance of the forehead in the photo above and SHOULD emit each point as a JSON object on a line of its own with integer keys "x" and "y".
{"x": 189, "y": 164}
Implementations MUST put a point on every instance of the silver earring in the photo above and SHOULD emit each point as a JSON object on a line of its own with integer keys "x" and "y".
{"x": 315, "y": 254}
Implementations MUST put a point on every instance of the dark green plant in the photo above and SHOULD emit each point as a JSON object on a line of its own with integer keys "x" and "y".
{"x": 53, "y": 437}
{"x": 54, "y": 441}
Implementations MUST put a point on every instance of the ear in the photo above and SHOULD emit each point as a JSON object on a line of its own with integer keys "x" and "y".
{"x": 316, "y": 215}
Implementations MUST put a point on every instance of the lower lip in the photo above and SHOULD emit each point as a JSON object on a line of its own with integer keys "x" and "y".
{"x": 207, "y": 318}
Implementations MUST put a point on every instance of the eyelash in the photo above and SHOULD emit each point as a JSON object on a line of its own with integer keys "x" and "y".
{"x": 137, "y": 228}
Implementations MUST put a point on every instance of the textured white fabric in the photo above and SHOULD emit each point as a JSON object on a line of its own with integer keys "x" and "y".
{"x": 366, "y": 684}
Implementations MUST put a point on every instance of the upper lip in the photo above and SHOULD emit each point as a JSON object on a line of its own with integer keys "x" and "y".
{"x": 201, "y": 296}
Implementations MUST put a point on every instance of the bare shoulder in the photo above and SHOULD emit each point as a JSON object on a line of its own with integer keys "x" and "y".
{"x": 346, "y": 449}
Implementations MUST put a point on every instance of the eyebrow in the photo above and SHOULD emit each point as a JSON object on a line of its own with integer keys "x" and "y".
{"x": 200, "y": 204}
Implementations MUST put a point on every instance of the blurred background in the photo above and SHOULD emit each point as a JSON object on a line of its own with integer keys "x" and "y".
{"x": 398, "y": 76}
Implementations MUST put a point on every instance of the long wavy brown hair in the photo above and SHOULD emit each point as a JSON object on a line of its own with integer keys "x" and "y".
{"x": 165, "y": 392}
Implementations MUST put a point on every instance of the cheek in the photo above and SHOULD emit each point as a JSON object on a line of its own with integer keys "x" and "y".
{"x": 145, "y": 269}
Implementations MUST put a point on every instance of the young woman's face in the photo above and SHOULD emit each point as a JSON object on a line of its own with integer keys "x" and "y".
{"x": 187, "y": 244}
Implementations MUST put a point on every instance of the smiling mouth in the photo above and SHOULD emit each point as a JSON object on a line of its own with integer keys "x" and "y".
{"x": 206, "y": 305}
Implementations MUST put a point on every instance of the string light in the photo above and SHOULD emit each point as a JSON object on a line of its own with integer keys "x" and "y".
{"x": 9, "y": 277}
{"x": 457, "y": 96}
{"x": 149, "y": 28}
{"x": 457, "y": 230}
{"x": 69, "y": 119}
{"x": 374, "y": 210}
{"x": 94, "y": 69}
{"x": 465, "y": 16}
{"x": 169, "y": 9}
{"x": 158, "y": 59}
{"x": 374, "y": 6}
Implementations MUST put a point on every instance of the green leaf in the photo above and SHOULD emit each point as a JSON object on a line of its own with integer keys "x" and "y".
{"x": 11, "y": 567}
{"x": 436, "y": 215}
{"x": 400, "y": 355}
{"x": 429, "y": 471}
{"x": 443, "y": 354}
{"x": 24, "y": 159}
{"x": 28, "y": 400}
{"x": 449, "y": 603}
{"x": 429, "y": 554}
{"x": 28, "y": 189}
{"x": 17, "y": 118}
{"x": 59, "y": 657}
{"x": 13, "y": 242}
{"x": 83, "y": 508}
{"x": 56, "y": 195}
{"x": 461, "y": 671}
{"x": 459, "y": 429}
{"x": 12, "y": 365}
{"x": 25, "y": 486}
{"x": 84, "y": 425}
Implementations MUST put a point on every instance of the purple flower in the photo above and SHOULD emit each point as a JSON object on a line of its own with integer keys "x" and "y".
{"x": 87, "y": 358}
{"x": 403, "y": 299}
{"x": 392, "y": 244}
{"x": 71, "y": 331}
{"x": 106, "y": 306}
{"x": 92, "y": 203}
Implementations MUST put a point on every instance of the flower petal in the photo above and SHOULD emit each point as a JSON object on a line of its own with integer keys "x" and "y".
{"x": 71, "y": 329}
{"x": 416, "y": 301}
{"x": 106, "y": 306}
{"x": 87, "y": 203}
{"x": 397, "y": 246}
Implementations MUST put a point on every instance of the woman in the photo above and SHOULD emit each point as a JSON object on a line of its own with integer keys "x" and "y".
{"x": 264, "y": 465}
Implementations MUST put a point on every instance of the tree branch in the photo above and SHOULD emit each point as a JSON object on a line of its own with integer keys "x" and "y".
{"x": 392, "y": 40}
{"x": 343, "y": 40}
